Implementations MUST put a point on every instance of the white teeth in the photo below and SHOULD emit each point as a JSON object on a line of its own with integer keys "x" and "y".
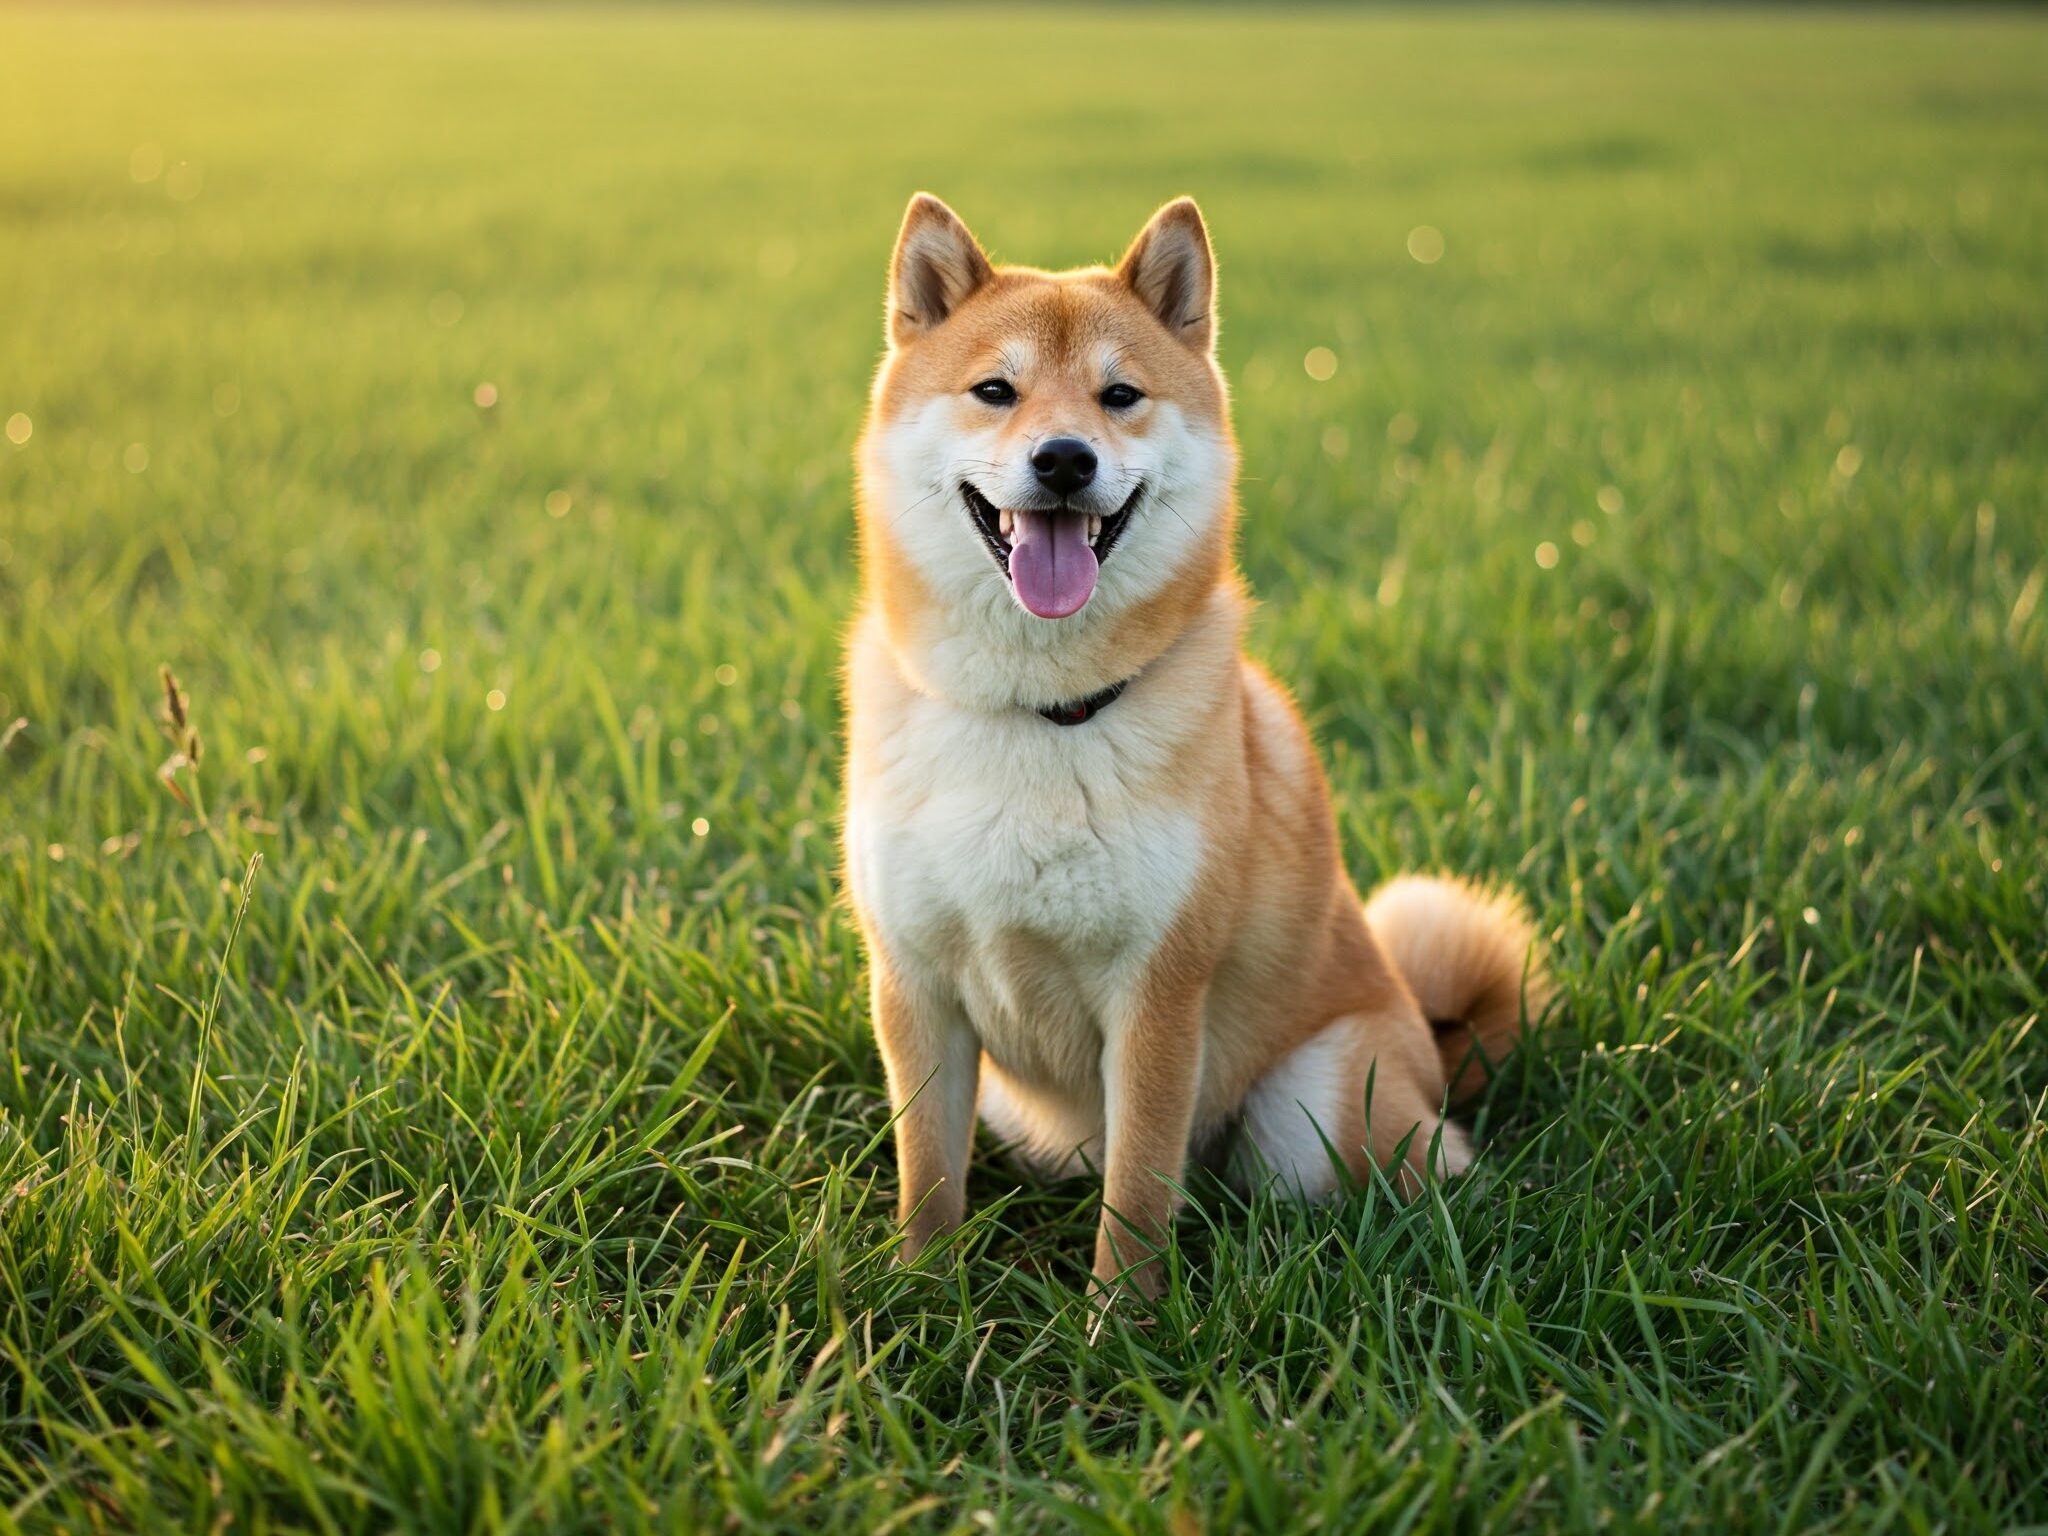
{"x": 1094, "y": 530}
{"x": 1008, "y": 521}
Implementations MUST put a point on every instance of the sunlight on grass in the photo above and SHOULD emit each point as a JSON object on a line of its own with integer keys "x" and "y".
{"x": 1647, "y": 490}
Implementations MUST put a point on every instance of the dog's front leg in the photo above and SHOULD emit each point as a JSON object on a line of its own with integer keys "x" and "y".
{"x": 1151, "y": 1072}
{"x": 933, "y": 1061}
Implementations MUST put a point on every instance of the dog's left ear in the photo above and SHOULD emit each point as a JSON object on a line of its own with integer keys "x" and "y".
{"x": 1170, "y": 269}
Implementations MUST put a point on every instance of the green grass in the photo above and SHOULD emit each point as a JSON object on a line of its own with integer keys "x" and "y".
{"x": 508, "y": 1149}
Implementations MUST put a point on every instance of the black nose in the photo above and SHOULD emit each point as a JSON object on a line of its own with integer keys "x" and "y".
{"x": 1063, "y": 464}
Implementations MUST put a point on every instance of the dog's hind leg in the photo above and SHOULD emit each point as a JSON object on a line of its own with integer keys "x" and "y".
{"x": 1313, "y": 1103}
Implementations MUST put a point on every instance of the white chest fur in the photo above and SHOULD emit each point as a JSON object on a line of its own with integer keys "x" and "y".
{"x": 1027, "y": 870}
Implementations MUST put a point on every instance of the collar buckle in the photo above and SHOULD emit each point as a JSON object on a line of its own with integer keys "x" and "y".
{"x": 1078, "y": 711}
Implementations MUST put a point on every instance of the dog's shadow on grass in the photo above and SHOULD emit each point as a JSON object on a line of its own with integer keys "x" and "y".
{"x": 1245, "y": 1258}
{"x": 1045, "y": 1228}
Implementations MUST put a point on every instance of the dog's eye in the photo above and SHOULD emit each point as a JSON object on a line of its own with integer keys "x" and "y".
{"x": 1120, "y": 397}
{"x": 995, "y": 392}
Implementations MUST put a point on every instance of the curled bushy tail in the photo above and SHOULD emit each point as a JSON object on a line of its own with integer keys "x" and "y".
{"x": 1467, "y": 953}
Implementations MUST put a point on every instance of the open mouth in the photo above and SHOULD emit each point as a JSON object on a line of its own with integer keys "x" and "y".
{"x": 1052, "y": 556}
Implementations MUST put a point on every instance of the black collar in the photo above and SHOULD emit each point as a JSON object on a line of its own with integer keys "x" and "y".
{"x": 1079, "y": 710}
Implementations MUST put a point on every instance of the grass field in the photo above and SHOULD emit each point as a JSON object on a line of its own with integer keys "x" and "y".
{"x": 460, "y": 402}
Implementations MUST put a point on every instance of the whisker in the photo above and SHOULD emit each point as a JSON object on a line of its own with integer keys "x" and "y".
{"x": 1176, "y": 512}
{"x": 905, "y": 511}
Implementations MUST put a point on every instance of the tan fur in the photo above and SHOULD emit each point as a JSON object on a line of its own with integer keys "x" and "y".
{"x": 1465, "y": 953}
{"x": 1128, "y": 937}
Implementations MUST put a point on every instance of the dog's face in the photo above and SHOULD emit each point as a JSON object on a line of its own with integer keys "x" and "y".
{"x": 1047, "y": 451}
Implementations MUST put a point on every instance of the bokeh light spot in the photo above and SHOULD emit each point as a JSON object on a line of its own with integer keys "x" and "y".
{"x": 1426, "y": 244}
{"x": 495, "y": 700}
{"x": 1320, "y": 363}
{"x": 1546, "y": 555}
{"x": 19, "y": 428}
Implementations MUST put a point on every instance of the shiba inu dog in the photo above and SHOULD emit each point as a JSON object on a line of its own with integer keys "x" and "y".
{"x": 1088, "y": 840}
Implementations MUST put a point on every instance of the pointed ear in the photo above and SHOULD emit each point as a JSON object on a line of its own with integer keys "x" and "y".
{"x": 1170, "y": 269}
{"x": 937, "y": 266}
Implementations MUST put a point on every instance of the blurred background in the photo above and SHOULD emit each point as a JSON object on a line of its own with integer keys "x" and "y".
{"x": 532, "y": 338}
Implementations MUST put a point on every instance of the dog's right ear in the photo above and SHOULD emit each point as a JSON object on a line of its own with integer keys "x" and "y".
{"x": 936, "y": 268}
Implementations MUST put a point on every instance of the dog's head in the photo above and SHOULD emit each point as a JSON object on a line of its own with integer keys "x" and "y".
{"x": 1047, "y": 465}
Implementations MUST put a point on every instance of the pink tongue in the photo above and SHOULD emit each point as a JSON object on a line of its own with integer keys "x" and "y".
{"x": 1050, "y": 562}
